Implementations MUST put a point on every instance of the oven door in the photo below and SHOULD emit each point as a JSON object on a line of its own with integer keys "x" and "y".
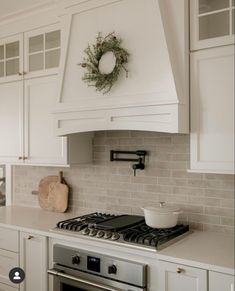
{"x": 70, "y": 280}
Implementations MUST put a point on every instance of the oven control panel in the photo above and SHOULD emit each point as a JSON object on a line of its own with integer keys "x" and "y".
{"x": 100, "y": 265}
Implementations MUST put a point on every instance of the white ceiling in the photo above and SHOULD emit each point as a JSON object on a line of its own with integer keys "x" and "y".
{"x": 11, "y": 6}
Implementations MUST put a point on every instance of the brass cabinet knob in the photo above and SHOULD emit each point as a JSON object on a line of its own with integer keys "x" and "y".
{"x": 20, "y": 74}
{"x": 25, "y": 158}
{"x": 179, "y": 270}
{"x": 20, "y": 158}
{"x": 30, "y": 237}
{"x": 24, "y": 73}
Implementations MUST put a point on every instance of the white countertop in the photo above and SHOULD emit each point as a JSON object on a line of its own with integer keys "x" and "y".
{"x": 30, "y": 219}
{"x": 213, "y": 251}
{"x": 207, "y": 250}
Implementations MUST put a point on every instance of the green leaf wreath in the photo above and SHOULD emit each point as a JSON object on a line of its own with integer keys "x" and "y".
{"x": 93, "y": 76}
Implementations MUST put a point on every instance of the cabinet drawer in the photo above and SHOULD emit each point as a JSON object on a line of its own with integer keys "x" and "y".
{"x": 8, "y": 261}
{"x": 4, "y": 287}
{"x": 9, "y": 239}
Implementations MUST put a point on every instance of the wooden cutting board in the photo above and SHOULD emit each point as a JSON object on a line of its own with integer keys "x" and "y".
{"x": 53, "y": 193}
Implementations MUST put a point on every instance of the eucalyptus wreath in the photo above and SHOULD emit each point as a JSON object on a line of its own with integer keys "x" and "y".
{"x": 93, "y": 77}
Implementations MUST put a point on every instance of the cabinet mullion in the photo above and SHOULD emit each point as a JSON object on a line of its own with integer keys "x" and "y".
{"x": 214, "y": 12}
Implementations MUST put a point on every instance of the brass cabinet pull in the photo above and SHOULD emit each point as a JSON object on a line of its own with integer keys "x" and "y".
{"x": 25, "y": 158}
{"x": 179, "y": 270}
{"x": 20, "y": 74}
{"x": 20, "y": 158}
{"x": 24, "y": 73}
{"x": 30, "y": 237}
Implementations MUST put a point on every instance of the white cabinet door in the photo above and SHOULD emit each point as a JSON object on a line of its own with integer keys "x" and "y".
{"x": 8, "y": 261}
{"x": 4, "y": 287}
{"x": 220, "y": 282}
{"x": 41, "y": 144}
{"x": 212, "y": 110}
{"x": 42, "y": 51}
{"x": 11, "y": 58}
{"x": 33, "y": 260}
{"x": 11, "y": 122}
{"x": 212, "y": 23}
{"x": 173, "y": 277}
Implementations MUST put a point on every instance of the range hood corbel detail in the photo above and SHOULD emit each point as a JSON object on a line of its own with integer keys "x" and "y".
{"x": 155, "y": 97}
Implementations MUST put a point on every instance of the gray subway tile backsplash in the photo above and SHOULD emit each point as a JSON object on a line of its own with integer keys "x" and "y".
{"x": 207, "y": 199}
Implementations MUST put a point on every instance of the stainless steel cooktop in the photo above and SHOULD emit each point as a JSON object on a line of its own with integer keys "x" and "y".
{"x": 130, "y": 230}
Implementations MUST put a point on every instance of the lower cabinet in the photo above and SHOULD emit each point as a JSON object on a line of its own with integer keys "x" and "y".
{"x": 4, "y": 287}
{"x": 221, "y": 282}
{"x": 33, "y": 260}
{"x": 30, "y": 252}
{"x": 174, "y": 277}
{"x": 9, "y": 257}
{"x": 8, "y": 261}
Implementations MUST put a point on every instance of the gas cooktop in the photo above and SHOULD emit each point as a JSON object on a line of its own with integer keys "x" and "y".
{"x": 128, "y": 229}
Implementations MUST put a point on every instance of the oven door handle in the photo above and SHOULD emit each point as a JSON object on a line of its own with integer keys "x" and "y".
{"x": 61, "y": 274}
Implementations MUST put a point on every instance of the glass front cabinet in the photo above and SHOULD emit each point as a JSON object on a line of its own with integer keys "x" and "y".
{"x": 212, "y": 23}
{"x": 32, "y": 54}
{"x": 11, "y": 58}
{"x": 42, "y": 51}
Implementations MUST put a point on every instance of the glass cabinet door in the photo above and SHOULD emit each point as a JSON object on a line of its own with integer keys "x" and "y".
{"x": 212, "y": 23}
{"x": 42, "y": 51}
{"x": 11, "y": 58}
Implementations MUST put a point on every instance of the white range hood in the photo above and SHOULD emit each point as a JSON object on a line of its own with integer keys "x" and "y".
{"x": 155, "y": 95}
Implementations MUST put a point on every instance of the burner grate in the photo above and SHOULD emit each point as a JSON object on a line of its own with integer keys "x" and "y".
{"x": 145, "y": 235}
{"x": 81, "y": 222}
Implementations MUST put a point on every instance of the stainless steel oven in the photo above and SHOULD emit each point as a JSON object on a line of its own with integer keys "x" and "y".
{"x": 79, "y": 270}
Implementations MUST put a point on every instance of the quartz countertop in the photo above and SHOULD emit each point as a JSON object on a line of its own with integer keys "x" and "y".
{"x": 212, "y": 250}
{"x": 207, "y": 250}
{"x": 29, "y": 218}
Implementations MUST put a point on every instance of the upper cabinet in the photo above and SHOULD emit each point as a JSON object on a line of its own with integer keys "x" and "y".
{"x": 11, "y": 121}
{"x": 32, "y": 54}
{"x": 42, "y": 51}
{"x": 155, "y": 94}
{"x": 11, "y": 58}
{"x": 212, "y": 86}
{"x": 28, "y": 90}
{"x": 212, "y": 110}
{"x": 212, "y": 23}
{"x": 27, "y": 127}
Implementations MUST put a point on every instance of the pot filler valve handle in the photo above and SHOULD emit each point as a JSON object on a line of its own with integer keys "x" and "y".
{"x": 139, "y": 166}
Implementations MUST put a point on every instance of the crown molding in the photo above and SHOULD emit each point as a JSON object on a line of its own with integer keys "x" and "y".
{"x": 23, "y": 13}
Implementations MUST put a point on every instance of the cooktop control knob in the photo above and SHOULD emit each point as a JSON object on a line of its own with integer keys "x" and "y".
{"x": 86, "y": 231}
{"x": 112, "y": 269}
{"x": 93, "y": 232}
{"x": 75, "y": 260}
{"x": 100, "y": 234}
{"x": 107, "y": 234}
{"x": 115, "y": 236}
